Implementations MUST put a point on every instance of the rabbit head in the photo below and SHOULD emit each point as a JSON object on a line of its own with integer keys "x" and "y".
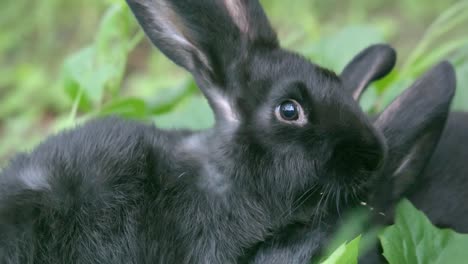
{"x": 287, "y": 130}
{"x": 412, "y": 126}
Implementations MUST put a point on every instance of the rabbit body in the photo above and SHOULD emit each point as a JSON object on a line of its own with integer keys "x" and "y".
{"x": 439, "y": 187}
{"x": 441, "y": 190}
{"x": 112, "y": 191}
{"x": 290, "y": 149}
{"x": 115, "y": 191}
{"x": 82, "y": 195}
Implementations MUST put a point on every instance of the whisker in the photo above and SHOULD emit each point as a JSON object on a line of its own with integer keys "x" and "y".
{"x": 298, "y": 202}
{"x": 303, "y": 201}
{"x": 317, "y": 210}
{"x": 337, "y": 201}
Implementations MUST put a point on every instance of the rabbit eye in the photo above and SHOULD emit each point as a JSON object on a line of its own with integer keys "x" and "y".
{"x": 290, "y": 111}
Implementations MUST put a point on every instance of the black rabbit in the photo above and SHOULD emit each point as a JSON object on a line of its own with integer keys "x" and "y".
{"x": 290, "y": 146}
{"x": 426, "y": 161}
{"x": 438, "y": 187}
{"x": 427, "y": 146}
{"x": 412, "y": 126}
{"x": 288, "y": 140}
{"x": 432, "y": 174}
{"x": 428, "y": 152}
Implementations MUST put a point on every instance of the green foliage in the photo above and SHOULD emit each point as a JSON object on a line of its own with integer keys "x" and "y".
{"x": 414, "y": 240}
{"x": 99, "y": 69}
{"x": 347, "y": 253}
{"x": 430, "y": 50}
{"x": 64, "y": 62}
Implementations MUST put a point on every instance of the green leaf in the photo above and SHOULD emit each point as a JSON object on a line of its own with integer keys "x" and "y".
{"x": 113, "y": 43}
{"x": 100, "y": 67}
{"x": 336, "y": 51}
{"x": 81, "y": 78}
{"x": 166, "y": 99}
{"x": 347, "y": 253}
{"x": 395, "y": 88}
{"x": 126, "y": 107}
{"x": 460, "y": 102}
{"x": 193, "y": 112}
{"x": 414, "y": 240}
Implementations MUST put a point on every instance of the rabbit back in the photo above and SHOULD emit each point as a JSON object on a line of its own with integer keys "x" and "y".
{"x": 78, "y": 195}
{"x": 442, "y": 190}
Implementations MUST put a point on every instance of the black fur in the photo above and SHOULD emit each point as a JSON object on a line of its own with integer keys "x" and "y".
{"x": 412, "y": 126}
{"x": 369, "y": 65}
{"x": 115, "y": 191}
{"x": 441, "y": 192}
{"x": 440, "y": 188}
{"x": 251, "y": 189}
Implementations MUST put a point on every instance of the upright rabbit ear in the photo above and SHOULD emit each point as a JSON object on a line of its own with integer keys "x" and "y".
{"x": 369, "y": 65}
{"x": 206, "y": 37}
{"x": 413, "y": 123}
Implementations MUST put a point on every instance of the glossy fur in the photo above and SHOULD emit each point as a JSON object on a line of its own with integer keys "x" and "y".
{"x": 440, "y": 188}
{"x": 253, "y": 189}
{"x": 416, "y": 165}
{"x": 115, "y": 191}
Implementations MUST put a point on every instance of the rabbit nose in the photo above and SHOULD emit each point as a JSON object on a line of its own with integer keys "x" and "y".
{"x": 370, "y": 153}
{"x": 356, "y": 155}
{"x": 357, "y": 145}
{"x": 359, "y": 148}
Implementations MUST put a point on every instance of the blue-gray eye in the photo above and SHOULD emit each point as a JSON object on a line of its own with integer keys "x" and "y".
{"x": 289, "y": 110}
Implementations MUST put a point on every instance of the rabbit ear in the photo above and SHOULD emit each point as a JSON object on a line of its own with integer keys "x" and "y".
{"x": 206, "y": 37}
{"x": 413, "y": 123}
{"x": 369, "y": 65}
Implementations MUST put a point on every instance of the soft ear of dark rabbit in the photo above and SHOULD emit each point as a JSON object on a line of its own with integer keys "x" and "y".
{"x": 369, "y": 65}
{"x": 208, "y": 38}
{"x": 412, "y": 125}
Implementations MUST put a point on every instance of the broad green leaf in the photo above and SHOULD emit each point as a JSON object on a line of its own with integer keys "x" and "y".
{"x": 337, "y": 50}
{"x": 352, "y": 224}
{"x": 167, "y": 98}
{"x": 126, "y": 107}
{"x": 113, "y": 42}
{"x": 347, "y": 253}
{"x": 81, "y": 78}
{"x": 414, "y": 240}
{"x": 100, "y": 67}
{"x": 193, "y": 112}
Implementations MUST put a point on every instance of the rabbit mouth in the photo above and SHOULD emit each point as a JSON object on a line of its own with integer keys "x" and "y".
{"x": 322, "y": 201}
{"x": 335, "y": 197}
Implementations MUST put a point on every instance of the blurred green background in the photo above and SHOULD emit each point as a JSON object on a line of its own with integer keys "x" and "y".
{"x": 63, "y": 62}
